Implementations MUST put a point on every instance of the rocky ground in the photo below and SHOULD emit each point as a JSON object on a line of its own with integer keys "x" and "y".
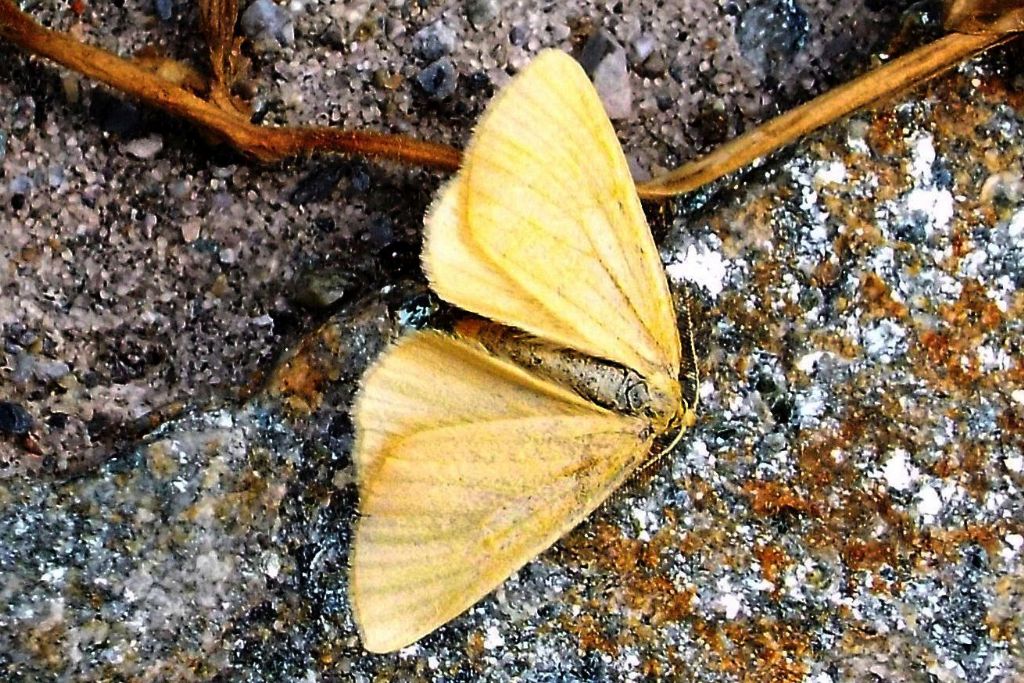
{"x": 848, "y": 507}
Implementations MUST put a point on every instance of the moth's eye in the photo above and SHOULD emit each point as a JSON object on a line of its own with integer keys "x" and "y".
{"x": 637, "y": 396}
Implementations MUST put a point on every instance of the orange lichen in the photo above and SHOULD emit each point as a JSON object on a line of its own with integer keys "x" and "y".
{"x": 877, "y": 297}
{"x": 858, "y": 238}
{"x": 590, "y": 636}
{"x": 885, "y": 135}
{"x": 773, "y": 560}
{"x": 967, "y": 463}
{"x": 947, "y": 356}
{"x": 299, "y": 380}
{"x": 475, "y": 646}
{"x": 750, "y": 228}
{"x": 944, "y": 544}
{"x": 770, "y": 498}
{"x": 756, "y": 651}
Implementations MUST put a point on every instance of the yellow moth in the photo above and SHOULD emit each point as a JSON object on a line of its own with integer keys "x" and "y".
{"x": 477, "y": 450}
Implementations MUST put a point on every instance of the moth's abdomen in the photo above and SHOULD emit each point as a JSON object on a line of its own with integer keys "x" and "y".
{"x": 605, "y": 383}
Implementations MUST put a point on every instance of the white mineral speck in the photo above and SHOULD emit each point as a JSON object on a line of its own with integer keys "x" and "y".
{"x": 1018, "y": 396}
{"x": 701, "y": 266}
{"x": 935, "y": 203}
{"x": 493, "y": 639}
{"x": 1016, "y": 225}
{"x": 54, "y": 575}
{"x": 807, "y": 362}
{"x": 145, "y": 148}
{"x": 832, "y": 173}
{"x": 923, "y": 155}
{"x": 1013, "y": 545}
{"x": 994, "y": 359}
{"x": 883, "y": 340}
{"x": 1014, "y": 463}
{"x": 929, "y": 504}
{"x": 971, "y": 264}
{"x": 811, "y": 404}
{"x": 190, "y": 230}
{"x": 272, "y": 565}
{"x": 898, "y": 472}
{"x": 730, "y": 605}
{"x": 699, "y": 453}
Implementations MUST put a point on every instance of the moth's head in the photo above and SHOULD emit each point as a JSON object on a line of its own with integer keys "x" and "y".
{"x": 677, "y": 412}
{"x": 665, "y": 400}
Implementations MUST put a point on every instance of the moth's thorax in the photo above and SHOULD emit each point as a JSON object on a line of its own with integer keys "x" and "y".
{"x": 607, "y": 384}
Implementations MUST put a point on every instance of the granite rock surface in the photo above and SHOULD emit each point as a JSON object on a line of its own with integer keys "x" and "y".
{"x": 848, "y": 508}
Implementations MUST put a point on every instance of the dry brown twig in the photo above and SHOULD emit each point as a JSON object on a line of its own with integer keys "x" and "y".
{"x": 975, "y": 25}
{"x": 214, "y": 115}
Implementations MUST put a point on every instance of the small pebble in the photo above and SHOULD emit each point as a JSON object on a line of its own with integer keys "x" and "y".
{"x": 653, "y": 66}
{"x": 190, "y": 230}
{"x": 438, "y": 80}
{"x": 264, "y": 22}
{"x": 334, "y": 37}
{"x": 434, "y": 41}
{"x": 115, "y": 115}
{"x": 144, "y": 148}
{"x": 642, "y": 47}
{"x": 481, "y": 12}
{"x": 318, "y": 290}
{"x": 771, "y": 32}
{"x": 381, "y": 232}
{"x": 387, "y": 80}
{"x": 21, "y": 184}
{"x": 55, "y": 176}
{"x": 604, "y": 60}
{"x": 163, "y": 9}
{"x": 179, "y": 189}
{"x": 14, "y": 420}
{"x": 517, "y": 36}
{"x": 318, "y": 184}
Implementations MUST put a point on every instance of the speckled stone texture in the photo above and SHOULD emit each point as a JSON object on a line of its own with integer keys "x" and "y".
{"x": 848, "y": 508}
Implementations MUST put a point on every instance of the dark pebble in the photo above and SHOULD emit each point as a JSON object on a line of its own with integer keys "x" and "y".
{"x": 599, "y": 45}
{"x": 325, "y": 223}
{"x": 478, "y": 82}
{"x": 14, "y": 420}
{"x": 381, "y": 232}
{"x": 163, "y": 9}
{"x": 360, "y": 180}
{"x": 517, "y": 36}
{"x": 321, "y": 289}
{"x": 439, "y": 79}
{"x": 913, "y": 231}
{"x": 434, "y": 41}
{"x": 771, "y": 32}
{"x": 318, "y": 184}
{"x": 481, "y": 12}
{"x": 99, "y": 425}
{"x": 115, "y": 115}
{"x": 58, "y": 420}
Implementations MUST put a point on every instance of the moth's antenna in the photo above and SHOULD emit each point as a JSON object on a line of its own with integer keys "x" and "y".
{"x": 675, "y": 441}
{"x": 694, "y": 373}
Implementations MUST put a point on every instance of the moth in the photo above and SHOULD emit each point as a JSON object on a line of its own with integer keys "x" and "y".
{"x": 478, "y": 449}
